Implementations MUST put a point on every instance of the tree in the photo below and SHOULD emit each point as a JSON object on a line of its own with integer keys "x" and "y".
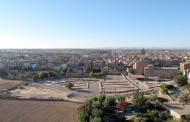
{"x": 69, "y": 85}
{"x": 138, "y": 99}
{"x": 180, "y": 80}
{"x": 101, "y": 98}
{"x": 35, "y": 76}
{"x": 3, "y": 73}
{"x": 109, "y": 101}
{"x": 172, "y": 120}
{"x": 81, "y": 116}
{"x": 96, "y": 113}
{"x": 120, "y": 98}
{"x": 96, "y": 119}
{"x": 43, "y": 75}
{"x": 165, "y": 87}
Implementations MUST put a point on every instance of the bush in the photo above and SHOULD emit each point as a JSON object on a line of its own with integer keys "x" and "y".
{"x": 138, "y": 99}
{"x": 43, "y": 75}
{"x": 81, "y": 116}
{"x": 96, "y": 104}
{"x": 109, "y": 101}
{"x": 3, "y": 73}
{"x": 101, "y": 98}
{"x": 69, "y": 85}
{"x": 120, "y": 98}
{"x": 96, "y": 119}
{"x": 96, "y": 113}
{"x": 96, "y": 75}
{"x": 165, "y": 87}
{"x": 180, "y": 80}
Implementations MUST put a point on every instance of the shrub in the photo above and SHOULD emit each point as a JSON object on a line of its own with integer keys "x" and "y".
{"x": 180, "y": 80}
{"x": 96, "y": 112}
{"x": 138, "y": 99}
{"x": 109, "y": 101}
{"x": 120, "y": 98}
{"x": 96, "y": 104}
{"x": 82, "y": 116}
{"x": 69, "y": 85}
{"x": 101, "y": 98}
{"x": 96, "y": 119}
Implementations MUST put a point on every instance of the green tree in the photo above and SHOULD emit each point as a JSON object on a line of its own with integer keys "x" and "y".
{"x": 138, "y": 99}
{"x": 101, "y": 98}
{"x": 180, "y": 80}
{"x": 109, "y": 101}
{"x": 69, "y": 85}
{"x": 3, "y": 73}
{"x": 96, "y": 119}
{"x": 96, "y": 113}
{"x": 120, "y": 98}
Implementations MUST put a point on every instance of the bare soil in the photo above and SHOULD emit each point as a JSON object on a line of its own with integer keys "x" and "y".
{"x": 37, "y": 111}
{"x": 7, "y": 84}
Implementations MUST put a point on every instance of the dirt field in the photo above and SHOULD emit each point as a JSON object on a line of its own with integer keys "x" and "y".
{"x": 6, "y": 84}
{"x": 37, "y": 111}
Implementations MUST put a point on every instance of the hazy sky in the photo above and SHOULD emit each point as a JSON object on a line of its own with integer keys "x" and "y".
{"x": 94, "y": 23}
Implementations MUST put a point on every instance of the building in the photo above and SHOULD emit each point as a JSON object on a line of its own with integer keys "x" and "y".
{"x": 161, "y": 72}
{"x": 184, "y": 66}
{"x": 143, "y": 52}
{"x": 138, "y": 67}
{"x": 97, "y": 65}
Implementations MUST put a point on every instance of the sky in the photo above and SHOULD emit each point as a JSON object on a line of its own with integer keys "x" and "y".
{"x": 95, "y": 24}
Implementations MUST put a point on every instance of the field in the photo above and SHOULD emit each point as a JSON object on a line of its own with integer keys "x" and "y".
{"x": 7, "y": 84}
{"x": 37, "y": 111}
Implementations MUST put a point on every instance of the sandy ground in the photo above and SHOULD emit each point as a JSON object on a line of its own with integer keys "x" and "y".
{"x": 7, "y": 84}
{"x": 37, "y": 90}
{"x": 37, "y": 111}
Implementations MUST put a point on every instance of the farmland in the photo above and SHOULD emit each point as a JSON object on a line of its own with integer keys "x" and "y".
{"x": 37, "y": 111}
{"x": 7, "y": 84}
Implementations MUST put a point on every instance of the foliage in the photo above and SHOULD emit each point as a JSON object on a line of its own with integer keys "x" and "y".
{"x": 138, "y": 99}
{"x": 43, "y": 75}
{"x": 101, "y": 98}
{"x": 109, "y": 101}
{"x": 165, "y": 87}
{"x": 96, "y": 104}
{"x": 96, "y": 119}
{"x": 120, "y": 98}
{"x": 82, "y": 116}
{"x": 96, "y": 112}
{"x": 69, "y": 85}
{"x": 94, "y": 109}
{"x": 184, "y": 99}
{"x": 96, "y": 75}
{"x": 172, "y": 120}
{"x": 3, "y": 73}
{"x": 152, "y": 116}
{"x": 180, "y": 80}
